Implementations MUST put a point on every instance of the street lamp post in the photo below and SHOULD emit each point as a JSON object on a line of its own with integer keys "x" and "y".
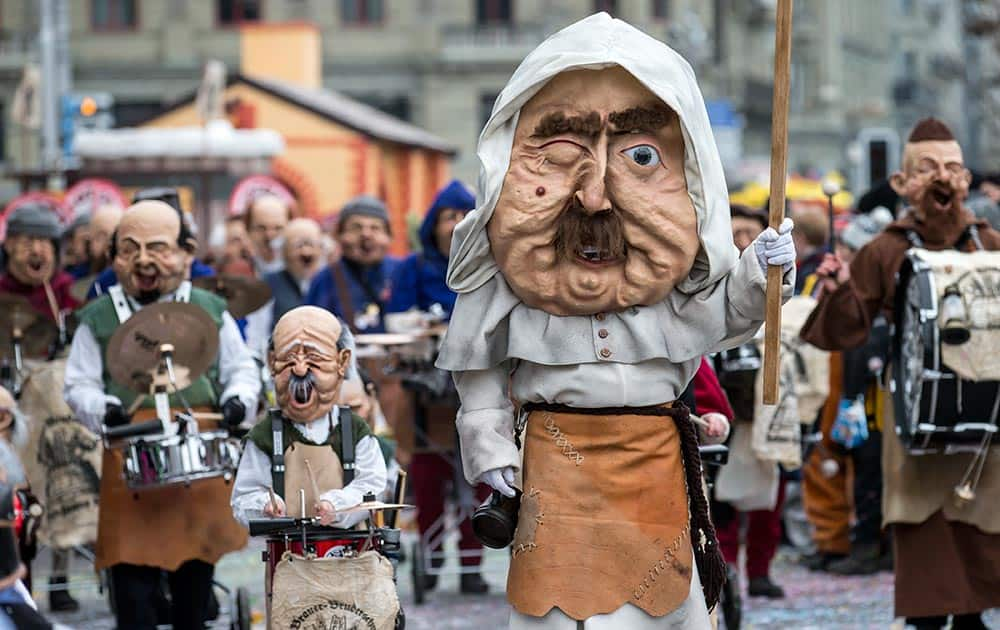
{"x": 830, "y": 189}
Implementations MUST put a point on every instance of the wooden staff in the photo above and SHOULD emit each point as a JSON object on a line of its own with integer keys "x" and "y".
{"x": 779, "y": 163}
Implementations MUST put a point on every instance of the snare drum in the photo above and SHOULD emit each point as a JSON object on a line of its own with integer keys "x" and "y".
{"x": 946, "y": 396}
{"x": 158, "y": 461}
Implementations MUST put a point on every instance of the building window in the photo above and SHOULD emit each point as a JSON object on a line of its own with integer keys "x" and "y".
{"x": 494, "y": 12}
{"x": 661, "y": 9}
{"x": 397, "y": 106}
{"x": 113, "y": 15}
{"x": 135, "y": 113}
{"x": 237, "y": 11}
{"x": 361, "y": 12}
{"x": 486, "y": 101}
{"x": 608, "y": 6}
{"x": 3, "y": 135}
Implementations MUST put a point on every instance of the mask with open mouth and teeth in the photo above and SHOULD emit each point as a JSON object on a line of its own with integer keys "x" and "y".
{"x": 594, "y": 214}
{"x": 306, "y": 364}
{"x": 934, "y": 181}
{"x": 149, "y": 262}
{"x": 32, "y": 259}
{"x": 303, "y": 246}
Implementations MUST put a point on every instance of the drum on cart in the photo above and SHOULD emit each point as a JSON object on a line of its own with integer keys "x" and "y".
{"x": 946, "y": 351}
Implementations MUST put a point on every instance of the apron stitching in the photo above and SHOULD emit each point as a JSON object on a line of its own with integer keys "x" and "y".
{"x": 669, "y": 557}
{"x": 561, "y": 440}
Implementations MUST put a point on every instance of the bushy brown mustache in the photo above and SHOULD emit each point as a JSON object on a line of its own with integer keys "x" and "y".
{"x": 577, "y": 230}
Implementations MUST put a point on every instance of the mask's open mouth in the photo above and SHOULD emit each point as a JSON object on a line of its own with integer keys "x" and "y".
{"x": 146, "y": 279}
{"x": 36, "y": 264}
{"x": 942, "y": 194}
{"x": 594, "y": 255}
{"x": 307, "y": 261}
{"x": 301, "y": 390}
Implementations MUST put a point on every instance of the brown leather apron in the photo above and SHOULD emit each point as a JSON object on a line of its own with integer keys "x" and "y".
{"x": 604, "y": 516}
{"x": 163, "y": 527}
{"x": 327, "y": 472}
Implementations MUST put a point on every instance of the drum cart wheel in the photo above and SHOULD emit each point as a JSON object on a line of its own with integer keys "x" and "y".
{"x": 418, "y": 573}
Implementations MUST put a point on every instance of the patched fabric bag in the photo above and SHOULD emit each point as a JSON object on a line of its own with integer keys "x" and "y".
{"x": 356, "y": 593}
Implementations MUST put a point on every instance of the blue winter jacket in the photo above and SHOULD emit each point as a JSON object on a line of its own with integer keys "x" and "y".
{"x": 323, "y": 290}
{"x": 420, "y": 280}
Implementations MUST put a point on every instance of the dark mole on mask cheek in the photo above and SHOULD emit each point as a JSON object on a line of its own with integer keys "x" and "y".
{"x": 540, "y": 191}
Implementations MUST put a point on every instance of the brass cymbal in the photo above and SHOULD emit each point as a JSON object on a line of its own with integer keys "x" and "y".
{"x": 368, "y": 506}
{"x": 133, "y": 353}
{"x": 243, "y": 294}
{"x": 19, "y": 317}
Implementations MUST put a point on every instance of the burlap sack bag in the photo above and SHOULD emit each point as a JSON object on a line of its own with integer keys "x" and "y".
{"x": 62, "y": 459}
{"x": 334, "y": 593}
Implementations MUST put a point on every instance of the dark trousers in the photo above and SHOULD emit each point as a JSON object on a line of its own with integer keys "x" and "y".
{"x": 431, "y": 474}
{"x": 867, "y": 460}
{"x": 137, "y": 593}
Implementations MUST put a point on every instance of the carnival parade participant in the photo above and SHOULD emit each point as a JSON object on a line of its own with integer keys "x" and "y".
{"x": 763, "y": 532}
{"x": 100, "y": 231}
{"x": 138, "y": 536}
{"x": 357, "y": 288}
{"x": 812, "y": 235}
{"x": 420, "y": 283}
{"x": 302, "y": 252}
{"x": 33, "y": 272}
{"x": 595, "y": 273}
{"x": 308, "y": 359}
{"x": 265, "y": 220}
{"x": 169, "y": 196}
{"x": 947, "y": 556}
{"x": 75, "y": 249}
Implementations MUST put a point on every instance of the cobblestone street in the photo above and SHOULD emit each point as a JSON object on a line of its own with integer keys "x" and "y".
{"x": 814, "y": 600}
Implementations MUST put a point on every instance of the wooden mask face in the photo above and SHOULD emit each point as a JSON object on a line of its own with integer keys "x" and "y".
{"x": 594, "y": 214}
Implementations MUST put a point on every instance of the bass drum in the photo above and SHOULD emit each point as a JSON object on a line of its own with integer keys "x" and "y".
{"x": 936, "y": 410}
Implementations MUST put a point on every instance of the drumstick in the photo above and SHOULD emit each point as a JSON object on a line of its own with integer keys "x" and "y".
{"x": 274, "y": 501}
{"x": 135, "y": 405}
{"x": 312, "y": 480}
{"x": 701, "y": 422}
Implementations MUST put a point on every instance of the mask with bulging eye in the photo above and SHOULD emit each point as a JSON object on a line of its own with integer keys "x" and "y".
{"x": 149, "y": 262}
{"x": 594, "y": 214}
{"x": 32, "y": 259}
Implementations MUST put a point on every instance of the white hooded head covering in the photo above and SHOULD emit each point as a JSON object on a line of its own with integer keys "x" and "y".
{"x": 596, "y": 42}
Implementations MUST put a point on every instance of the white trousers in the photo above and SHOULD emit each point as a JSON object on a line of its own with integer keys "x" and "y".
{"x": 691, "y": 615}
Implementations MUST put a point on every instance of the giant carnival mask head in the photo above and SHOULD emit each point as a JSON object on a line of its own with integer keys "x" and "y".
{"x": 602, "y": 186}
{"x": 32, "y": 244}
{"x": 152, "y": 252}
{"x": 303, "y": 247}
{"x": 363, "y": 230}
{"x": 102, "y": 228}
{"x": 266, "y": 218}
{"x": 934, "y": 179}
{"x": 308, "y": 358}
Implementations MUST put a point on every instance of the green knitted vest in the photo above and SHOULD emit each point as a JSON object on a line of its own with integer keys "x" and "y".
{"x": 101, "y": 318}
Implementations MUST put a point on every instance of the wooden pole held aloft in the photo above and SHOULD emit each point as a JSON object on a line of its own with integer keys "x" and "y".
{"x": 779, "y": 168}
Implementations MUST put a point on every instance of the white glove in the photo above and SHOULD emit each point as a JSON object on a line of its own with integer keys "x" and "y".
{"x": 776, "y": 248}
{"x": 500, "y": 479}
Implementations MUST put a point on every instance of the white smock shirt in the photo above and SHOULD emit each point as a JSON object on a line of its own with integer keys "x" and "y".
{"x": 644, "y": 355}
{"x": 253, "y": 478}
{"x": 83, "y": 388}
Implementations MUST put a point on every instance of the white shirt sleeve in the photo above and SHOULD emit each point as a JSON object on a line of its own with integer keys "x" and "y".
{"x": 83, "y": 386}
{"x": 253, "y": 478}
{"x": 238, "y": 372}
{"x": 259, "y": 324}
{"x": 485, "y": 421}
{"x": 369, "y": 477}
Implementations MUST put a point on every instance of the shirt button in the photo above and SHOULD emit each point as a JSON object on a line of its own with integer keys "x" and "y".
{"x": 603, "y": 333}
{"x": 605, "y": 353}
{"x": 599, "y": 317}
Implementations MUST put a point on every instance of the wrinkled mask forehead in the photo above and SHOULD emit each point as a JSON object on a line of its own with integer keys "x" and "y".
{"x": 928, "y": 152}
{"x": 149, "y": 222}
{"x": 305, "y": 330}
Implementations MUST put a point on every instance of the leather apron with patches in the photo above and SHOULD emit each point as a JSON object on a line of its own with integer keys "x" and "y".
{"x": 164, "y": 527}
{"x": 327, "y": 472}
{"x": 604, "y": 516}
